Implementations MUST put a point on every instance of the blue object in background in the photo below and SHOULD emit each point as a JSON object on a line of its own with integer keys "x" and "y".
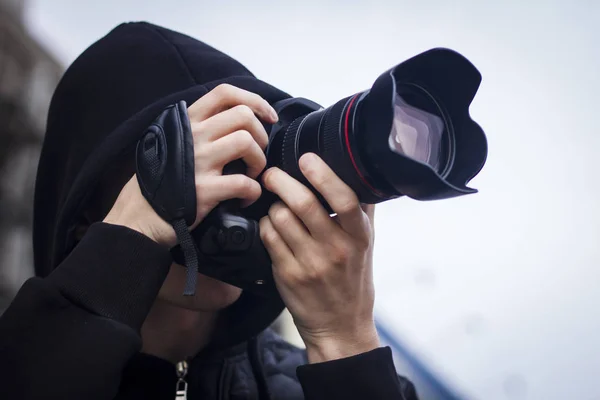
{"x": 429, "y": 387}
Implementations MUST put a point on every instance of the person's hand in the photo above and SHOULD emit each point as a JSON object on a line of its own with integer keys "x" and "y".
{"x": 322, "y": 266}
{"x": 225, "y": 128}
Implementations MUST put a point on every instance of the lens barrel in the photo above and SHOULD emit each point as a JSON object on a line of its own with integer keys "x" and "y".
{"x": 326, "y": 133}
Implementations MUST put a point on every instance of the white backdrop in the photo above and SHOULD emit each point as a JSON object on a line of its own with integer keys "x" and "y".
{"x": 496, "y": 292}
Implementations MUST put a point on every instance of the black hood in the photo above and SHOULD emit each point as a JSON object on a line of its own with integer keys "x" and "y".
{"x": 101, "y": 107}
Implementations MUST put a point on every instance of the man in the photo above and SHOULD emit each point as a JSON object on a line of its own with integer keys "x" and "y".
{"x": 105, "y": 318}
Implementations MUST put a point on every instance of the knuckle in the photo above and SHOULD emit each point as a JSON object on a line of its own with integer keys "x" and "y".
{"x": 268, "y": 235}
{"x": 340, "y": 253}
{"x": 311, "y": 262}
{"x": 306, "y": 206}
{"x": 282, "y": 216}
{"x": 338, "y": 258}
{"x": 243, "y": 183}
{"x": 197, "y": 128}
{"x": 347, "y": 205}
{"x": 314, "y": 267}
{"x": 244, "y": 140}
{"x": 288, "y": 277}
{"x": 254, "y": 97}
{"x": 244, "y": 112}
{"x": 312, "y": 274}
{"x": 304, "y": 277}
{"x": 223, "y": 90}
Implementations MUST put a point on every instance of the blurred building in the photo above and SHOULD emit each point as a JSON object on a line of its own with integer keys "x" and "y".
{"x": 28, "y": 76}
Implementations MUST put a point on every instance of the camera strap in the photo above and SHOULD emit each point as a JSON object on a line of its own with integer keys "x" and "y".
{"x": 166, "y": 174}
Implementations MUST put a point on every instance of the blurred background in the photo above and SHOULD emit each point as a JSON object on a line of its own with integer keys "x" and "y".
{"x": 491, "y": 296}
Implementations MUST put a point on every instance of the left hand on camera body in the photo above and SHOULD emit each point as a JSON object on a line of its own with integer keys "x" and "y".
{"x": 225, "y": 127}
{"x": 322, "y": 266}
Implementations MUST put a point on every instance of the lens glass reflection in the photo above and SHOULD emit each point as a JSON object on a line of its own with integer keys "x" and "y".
{"x": 416, "y": 133}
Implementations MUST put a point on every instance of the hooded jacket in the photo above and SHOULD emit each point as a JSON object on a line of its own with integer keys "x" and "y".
{"x": 73, "y": 332}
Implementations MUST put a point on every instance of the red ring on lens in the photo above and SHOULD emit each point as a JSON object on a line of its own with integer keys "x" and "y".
{"x": 346, "y": 136}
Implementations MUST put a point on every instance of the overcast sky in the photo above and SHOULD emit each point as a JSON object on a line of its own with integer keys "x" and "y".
{"x": 498, "y": 292}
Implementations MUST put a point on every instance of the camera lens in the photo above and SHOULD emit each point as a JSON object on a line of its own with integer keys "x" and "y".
{"x": 409, "y": 134}
{"x": 346, "y": 140}
{"x": 330, "y": 133}
{"x": 416, "y": 132}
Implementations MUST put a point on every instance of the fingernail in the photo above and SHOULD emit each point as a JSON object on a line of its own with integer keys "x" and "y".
{"x": 266, "y": 174}
{"x": 273, "y": 115}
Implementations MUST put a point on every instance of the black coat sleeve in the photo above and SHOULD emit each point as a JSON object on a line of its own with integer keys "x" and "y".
{"x": 69, "y": 335}
{"x": 370, "y": 375}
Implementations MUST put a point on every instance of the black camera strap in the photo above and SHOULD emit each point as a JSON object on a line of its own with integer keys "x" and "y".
{"x": 191, "y": 256}
{"x": 166, "y": 175}
{"x": 227, "y": 244}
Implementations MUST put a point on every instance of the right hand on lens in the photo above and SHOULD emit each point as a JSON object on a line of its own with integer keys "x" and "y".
{"x": 225, "y": 128}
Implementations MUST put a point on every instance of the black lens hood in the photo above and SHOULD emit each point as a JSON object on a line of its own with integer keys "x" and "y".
{"x": 452, "y": 82}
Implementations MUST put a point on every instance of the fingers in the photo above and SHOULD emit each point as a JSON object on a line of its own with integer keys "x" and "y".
{"x": 301, "y": 201}
{"x": 278, "y": 250}
{"x": 226, "y": 96}
{"x": 290, "y": 228}
{"x": 212, "y": 190}
{"x": 240, "y": 117}
{"x": 225, "y": 128}
{"x": 341, "y": 198}
{"x": 239, "y": 144}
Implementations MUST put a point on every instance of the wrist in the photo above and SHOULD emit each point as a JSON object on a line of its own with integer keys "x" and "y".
{"x": 131, "y": 210}
{"x": 336, "y": 346}
{"x": 116, "y": 218}
{"x": 133, "y": 226}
